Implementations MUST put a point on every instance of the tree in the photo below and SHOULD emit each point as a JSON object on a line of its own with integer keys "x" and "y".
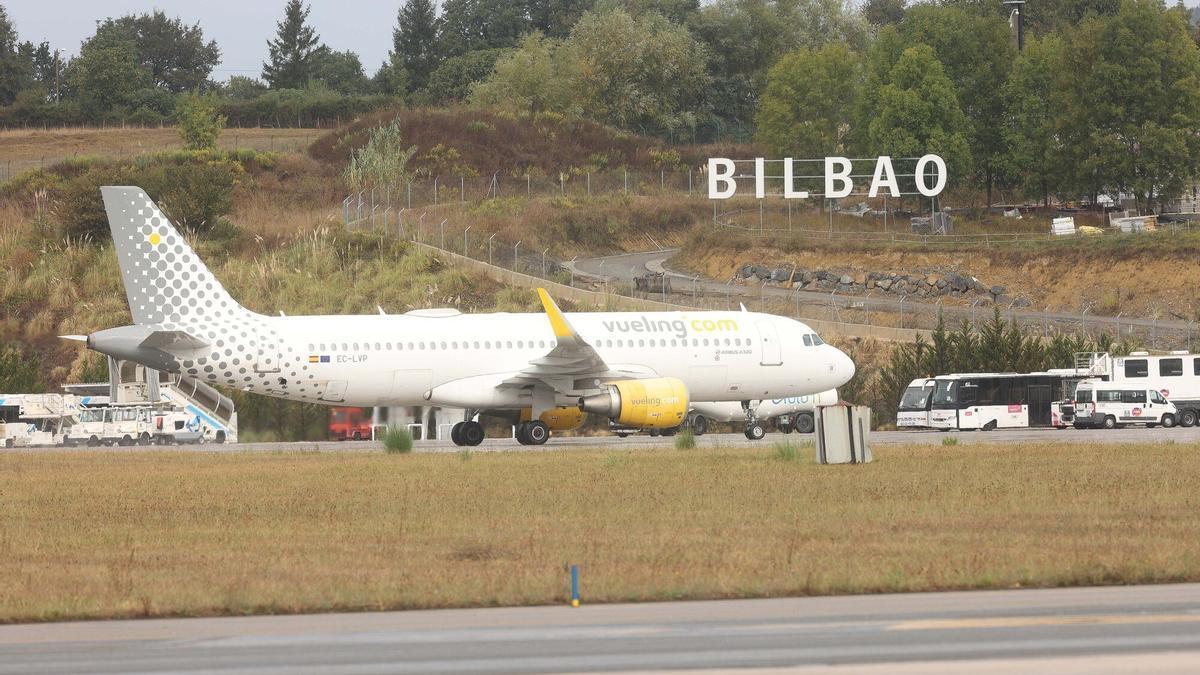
{"x": 883, "y": 12}
{"x": 242, "y": 88}
{"x": 294, "y": 52}
{"x": 174, "y": 54}
{"x": 340, "y": 71}
{"x": 16, "y": 72}
{"x": 452, "y": 80}
{"x": 106, "y": 76}
{"x": 468, "y": 25}
{"x": 1028, "y": 131}
{"x": 639, "y": 73}
{"x": 809, "y": 97}
{"x": 198, "y": 120}
{"x": 414, "y": 41}
{"x": 1128, "y": 103}
{"x": 532, "y": 78}
{"x": 976, "y": 50}
{"x": 555, "y": 18}
{"x": 918, "y": 113}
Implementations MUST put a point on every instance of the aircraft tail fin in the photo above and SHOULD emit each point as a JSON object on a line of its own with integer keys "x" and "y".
{"x": 165, "y": 281}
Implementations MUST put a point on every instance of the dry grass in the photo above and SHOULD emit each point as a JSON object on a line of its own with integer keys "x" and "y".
{"x": 22, "y": 150}
{"x": 115, "y": 534}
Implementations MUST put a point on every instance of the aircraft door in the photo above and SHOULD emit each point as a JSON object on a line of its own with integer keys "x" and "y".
{"x": 772, "y": 353}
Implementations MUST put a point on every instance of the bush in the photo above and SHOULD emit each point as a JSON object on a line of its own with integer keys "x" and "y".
{"x": 784, "y": 450}
{"x": 950, "y": 440}
{"x": 195, "y": 189}
{"x": 397, "y": 440}
{"x": 685, "y": 440}
{"x": 198, "y": 120}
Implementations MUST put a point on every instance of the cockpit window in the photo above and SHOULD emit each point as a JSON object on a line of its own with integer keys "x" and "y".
{"x": 817, "y": 340}
{"x": 807, "y": 341}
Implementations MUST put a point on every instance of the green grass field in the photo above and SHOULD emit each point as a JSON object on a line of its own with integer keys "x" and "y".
{"x": 129, "y": 534}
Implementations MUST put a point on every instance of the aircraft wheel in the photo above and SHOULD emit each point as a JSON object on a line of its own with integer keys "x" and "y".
{"x": 699, "y": 425}
{"x": 471, "y": 433}
{"x": 755, "y": 431}
{"x": 804, "y": 423}
{"x": 523, "y": 433}
{"x": 653, "y": 433}
{"x": 622, "y": 434}
{"x": 537, "y": 432}
{"x": 456, "y": 434}
{"x": 669, "y": 432}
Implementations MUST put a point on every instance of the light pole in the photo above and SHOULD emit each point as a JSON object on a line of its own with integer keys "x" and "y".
{"x": 490, "y": 246}
{"x": 465, "y": 239}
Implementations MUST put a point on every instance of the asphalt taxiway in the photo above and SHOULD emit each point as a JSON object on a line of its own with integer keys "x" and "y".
{"x": 1114, "y": 629}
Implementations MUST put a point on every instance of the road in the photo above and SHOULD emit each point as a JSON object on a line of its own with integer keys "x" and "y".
{"x": 1117, "y": 629}
{"x": 624, "y": 267}
{"x": 1012, "y": 437}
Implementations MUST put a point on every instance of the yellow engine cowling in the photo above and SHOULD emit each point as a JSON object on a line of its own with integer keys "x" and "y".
{"x": 658, "y": 403}
{"x": 563, "y": 419}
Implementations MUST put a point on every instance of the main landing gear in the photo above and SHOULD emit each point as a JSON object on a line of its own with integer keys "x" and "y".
{"x": 467, "y": 433}
{"x": 532, "y": 433}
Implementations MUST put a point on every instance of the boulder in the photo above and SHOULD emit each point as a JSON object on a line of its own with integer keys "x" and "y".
{"x": 1022, "y": 302}
{"x": 941, "y": 284}
{"x": 781, "y": 274}
{"x": 845, "y": 280}
{"x": 996, "y": 290}
{"x": 798, "y": 276}
{"x": 746, "y": 271}
{"x": 762, "y": 272}
{"x": 884, "y": 284}
{"x": 860, "y": 279}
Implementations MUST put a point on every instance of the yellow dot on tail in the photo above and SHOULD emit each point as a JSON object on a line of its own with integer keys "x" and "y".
{"x": 154, "y": 239}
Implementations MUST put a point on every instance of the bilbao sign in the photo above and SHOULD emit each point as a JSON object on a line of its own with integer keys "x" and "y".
{"x": 929, "y": 176}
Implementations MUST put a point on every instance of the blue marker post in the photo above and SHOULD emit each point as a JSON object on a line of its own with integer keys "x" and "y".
{"x": 574, "y": 585}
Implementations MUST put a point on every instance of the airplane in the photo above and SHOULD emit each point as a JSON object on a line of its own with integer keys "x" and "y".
{"x": 793, "y": 412}
{"x": 546, "y": 369}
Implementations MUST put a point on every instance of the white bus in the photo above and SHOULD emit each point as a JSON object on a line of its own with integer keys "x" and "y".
{"x": 913, "y": 412}
{"x": 1113, "y": 404}
{"x": 989, "y": 401}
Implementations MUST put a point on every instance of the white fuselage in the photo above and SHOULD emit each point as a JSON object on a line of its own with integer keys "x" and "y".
{"x": 459, "y": 359}
{"x": 732, "y": 411}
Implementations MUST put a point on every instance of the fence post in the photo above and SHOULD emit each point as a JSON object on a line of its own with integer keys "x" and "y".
{"x": 408, "y": 203}
{"x": 589, "y": 183}
{"x": 435, "y": 196}
{"x": 689, "y": 181}
{"x": 625, "y": 171}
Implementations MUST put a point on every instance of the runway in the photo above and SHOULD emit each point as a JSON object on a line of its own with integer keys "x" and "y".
{"x": 1012, "y": 437}
{"x": 1066, "y": 630}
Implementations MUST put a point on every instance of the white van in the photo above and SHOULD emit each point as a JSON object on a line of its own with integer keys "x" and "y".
{"x": 1114, "y": 404}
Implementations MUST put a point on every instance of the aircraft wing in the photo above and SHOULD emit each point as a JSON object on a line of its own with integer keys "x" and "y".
{"x": 571, "y": 366}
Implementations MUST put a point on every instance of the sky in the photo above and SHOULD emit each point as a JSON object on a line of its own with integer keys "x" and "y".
{"x": 241, "y": 28}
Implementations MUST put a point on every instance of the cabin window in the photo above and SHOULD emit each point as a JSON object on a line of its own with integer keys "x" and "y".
{"x": 322, "y": 348}
{"x": 1170, "y": 367}
{"x": 443, "y": 345}
{"x": 1136, "y": 368}
{"x": 1133, "y": 396}
{"x": 311, "y": 347}
{"x": 345, "y": 347}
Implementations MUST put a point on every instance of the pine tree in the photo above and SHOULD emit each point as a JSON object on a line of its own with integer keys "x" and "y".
{"x": 294, "y": 51}
{"x": 414, "y": 42}
{"x": 15, "y": 72}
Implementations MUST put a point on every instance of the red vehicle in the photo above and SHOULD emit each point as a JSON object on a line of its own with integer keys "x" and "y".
{"x": 349, "y": 424}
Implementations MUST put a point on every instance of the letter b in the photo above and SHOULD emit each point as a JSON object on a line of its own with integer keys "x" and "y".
{"x": 721, "y": 184}
{"x": 839, "y": 174}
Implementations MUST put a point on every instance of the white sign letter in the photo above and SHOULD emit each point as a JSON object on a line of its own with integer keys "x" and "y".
{"x": 939, "y": 183}
{"x": 789, "y": 191}
{"x": 841, "y": 174}
{"x": 760, "y": 177}
{"x": 721, "y": 170}
{"x": 885, "y": 176}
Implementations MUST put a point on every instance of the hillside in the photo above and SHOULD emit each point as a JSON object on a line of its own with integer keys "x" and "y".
{"x": 474, "y": 142}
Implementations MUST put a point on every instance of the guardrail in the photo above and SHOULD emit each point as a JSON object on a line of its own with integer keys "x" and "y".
{"x": 853, "y": 315}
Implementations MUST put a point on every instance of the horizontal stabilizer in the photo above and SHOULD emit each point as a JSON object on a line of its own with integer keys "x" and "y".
{"x": 173, "y": 340}
{"x": 77, "y": 338}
